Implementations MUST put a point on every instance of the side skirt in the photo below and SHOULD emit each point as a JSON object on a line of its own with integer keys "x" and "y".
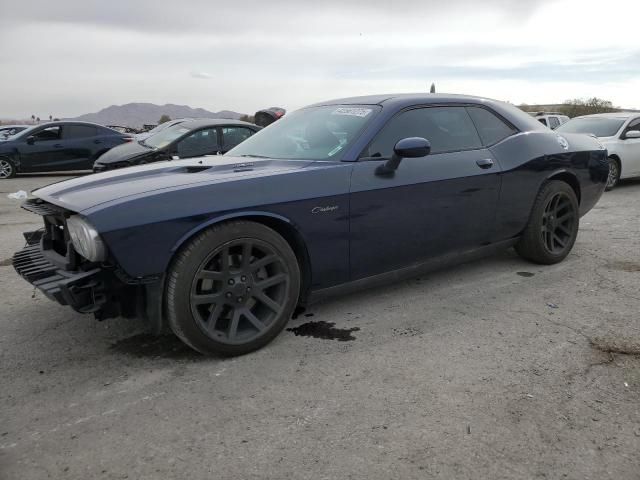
{"x": 411, "y": 271}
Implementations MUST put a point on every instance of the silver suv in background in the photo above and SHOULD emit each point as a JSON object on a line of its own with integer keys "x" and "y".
{"x": 620, "y": 134}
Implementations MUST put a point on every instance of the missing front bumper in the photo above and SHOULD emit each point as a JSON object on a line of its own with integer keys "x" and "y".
{"x": 78, "y": 289}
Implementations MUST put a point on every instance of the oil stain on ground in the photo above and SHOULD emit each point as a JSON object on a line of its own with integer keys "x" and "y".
{"x": 525, "y": 274}
{"x": 324, "y": 330}
{"x": 6, "y": 262}
{"x": 145, "y": 345}
{"x": 631, "y": 267}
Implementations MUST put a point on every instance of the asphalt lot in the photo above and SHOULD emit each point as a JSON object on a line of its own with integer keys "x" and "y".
{"x": 493, "y": 369}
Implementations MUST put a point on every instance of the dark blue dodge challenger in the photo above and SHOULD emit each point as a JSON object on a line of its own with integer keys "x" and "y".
{"x": 337, "y": 195}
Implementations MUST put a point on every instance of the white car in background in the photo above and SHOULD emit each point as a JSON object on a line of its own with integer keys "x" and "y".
{"x": 620, "y": 134}
{"x": 550, "y": 119}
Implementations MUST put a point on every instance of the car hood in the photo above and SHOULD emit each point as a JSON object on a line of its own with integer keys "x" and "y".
{"x": 126, "y": 151}
{"x": 82, "y": 193}
{"x": 612, "y": 139}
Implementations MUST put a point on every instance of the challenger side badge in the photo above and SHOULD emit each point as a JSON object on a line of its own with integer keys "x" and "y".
{"x": 325, "y": 209}
{"x": 563, "y": 142}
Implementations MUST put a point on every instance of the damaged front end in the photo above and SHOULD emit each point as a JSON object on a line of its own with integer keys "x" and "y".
{"x": 51, "y": 262}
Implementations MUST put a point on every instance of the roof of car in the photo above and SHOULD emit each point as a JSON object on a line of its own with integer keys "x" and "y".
{"x": 67, "y": 122}
{"x": 612, "y": 115}
{"x": 407, "y": 98}
{"x": 205, "y": 122}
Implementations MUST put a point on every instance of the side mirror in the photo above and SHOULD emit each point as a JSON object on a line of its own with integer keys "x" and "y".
{"x": 31, "y": 140}
{"x": 411, "y": 147}
{"x": 632, "y": 134}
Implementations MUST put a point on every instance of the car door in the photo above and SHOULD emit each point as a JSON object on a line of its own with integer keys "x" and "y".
{"x": 79, "y": 142}
{"x": 630, "y": 150}
{"x": 232, "y": 136}
{"x": 431, "y": 206}
{"x": 42, "y": 150}
{"x": 198, "y": 143}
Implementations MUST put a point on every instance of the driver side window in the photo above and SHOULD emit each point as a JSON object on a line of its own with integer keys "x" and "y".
{"x": 448, "y": 129}
{"x": 202, "y": 142}
{"x": 633, "y": 125}
{"x": 51, "y": 133}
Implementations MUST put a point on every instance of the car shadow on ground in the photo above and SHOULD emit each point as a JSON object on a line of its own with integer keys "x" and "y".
{"x": 627, "y": 183}
{"x": 132, "y": 338}
{"x": 148, "y": 345}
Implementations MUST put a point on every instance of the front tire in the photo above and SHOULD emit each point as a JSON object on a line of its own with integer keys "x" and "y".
{"x": 614, "y": 174}
{"x": 7, "y": 169}
{"x": 553, "y": 226}
{"x": 232, "y": 289}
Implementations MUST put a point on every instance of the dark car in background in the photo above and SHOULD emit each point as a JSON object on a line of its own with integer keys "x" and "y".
{"x": 339, "y": 195}
{"x": 267, "y": 116}
{"x": 187, "y": 139}
{"x": 56, "y": 147}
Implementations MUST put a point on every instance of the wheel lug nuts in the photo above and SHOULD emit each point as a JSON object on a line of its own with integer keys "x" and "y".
{"x": 228, "y": 295}
{"x": 243, "y": 278}
{"x": 248, "y": 289}
{"x": 239, "y": 299}
{"x": 231, "y": 281}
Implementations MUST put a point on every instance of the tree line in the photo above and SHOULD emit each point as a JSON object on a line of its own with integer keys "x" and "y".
{"x": 576, "y": 107}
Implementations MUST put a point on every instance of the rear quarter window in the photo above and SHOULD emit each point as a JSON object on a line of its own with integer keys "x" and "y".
{"x": 490, "y": 127}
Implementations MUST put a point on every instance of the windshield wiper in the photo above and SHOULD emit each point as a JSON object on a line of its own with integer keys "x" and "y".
{"x": 254, "y": 156}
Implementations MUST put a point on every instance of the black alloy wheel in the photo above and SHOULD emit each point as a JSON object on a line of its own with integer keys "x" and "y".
{"x": 239, "y": 290}
{"x": 232, "y": 289}
{"x": 558, "y": 222}
{"x": 553, "y": 225}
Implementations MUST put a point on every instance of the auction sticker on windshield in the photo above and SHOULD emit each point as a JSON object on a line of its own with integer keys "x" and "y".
{"x": 351, "y": 111}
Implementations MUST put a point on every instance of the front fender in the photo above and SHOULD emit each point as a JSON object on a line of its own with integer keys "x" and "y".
{"x": 223, "y": 218}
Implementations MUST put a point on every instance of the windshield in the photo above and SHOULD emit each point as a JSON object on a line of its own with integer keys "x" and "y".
{"x": 24, "y": 133}
{"x": 166, "y": 136}
{"x": 314, "y": 133}
{"x": 598, "y": 126}
{"x": 164, "y": 125}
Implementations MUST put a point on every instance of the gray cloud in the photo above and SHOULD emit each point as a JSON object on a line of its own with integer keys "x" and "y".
{"x": 197, "y": 16}
{"x": 81, "y": 55}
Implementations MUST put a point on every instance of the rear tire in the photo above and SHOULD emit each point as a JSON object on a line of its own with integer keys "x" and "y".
{"x": 553, "y": 226}
{"x": 614, "y": 174}
{"x": 7, "y": 169}
{"x": 232, "y": 289}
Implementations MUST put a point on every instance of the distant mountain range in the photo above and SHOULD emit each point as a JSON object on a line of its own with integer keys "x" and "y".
{"x": 138, "y": 114}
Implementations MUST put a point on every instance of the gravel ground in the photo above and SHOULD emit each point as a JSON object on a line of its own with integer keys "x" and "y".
{"x": 493, "y": 369}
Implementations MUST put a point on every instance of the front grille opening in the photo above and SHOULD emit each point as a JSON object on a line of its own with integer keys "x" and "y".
{"x": 56, "y": 237}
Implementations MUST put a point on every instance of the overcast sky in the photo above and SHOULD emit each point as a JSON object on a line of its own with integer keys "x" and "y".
{"x": 68, "y": 57}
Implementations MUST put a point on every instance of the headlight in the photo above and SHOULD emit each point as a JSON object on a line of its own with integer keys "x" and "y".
{"x": 86, "y": 239}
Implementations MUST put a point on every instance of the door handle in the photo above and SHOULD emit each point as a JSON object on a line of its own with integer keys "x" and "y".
{"x": 58, "y": 145}
{"x": 485, "y": 163}
{"x": 97, "y": 142}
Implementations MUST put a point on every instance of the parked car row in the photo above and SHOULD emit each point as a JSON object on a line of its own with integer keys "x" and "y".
{"x": 68, "y": 146}
{"x": 64, "y": 146}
